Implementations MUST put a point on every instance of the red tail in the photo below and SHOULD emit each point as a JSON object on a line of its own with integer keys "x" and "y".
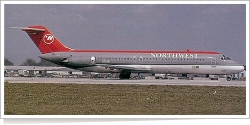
{"x": 45, "y": 40}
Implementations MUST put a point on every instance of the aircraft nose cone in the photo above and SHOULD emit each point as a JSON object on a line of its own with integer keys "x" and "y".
{"x": 242, "y": 68}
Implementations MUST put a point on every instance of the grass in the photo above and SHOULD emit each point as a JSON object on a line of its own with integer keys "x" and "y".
{"x": 90, "y": 99}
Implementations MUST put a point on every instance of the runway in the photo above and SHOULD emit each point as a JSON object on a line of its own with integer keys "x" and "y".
{"x": 147, "y": 81}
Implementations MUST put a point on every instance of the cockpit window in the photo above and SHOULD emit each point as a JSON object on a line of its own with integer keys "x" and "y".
{"x": 225, "y": 57}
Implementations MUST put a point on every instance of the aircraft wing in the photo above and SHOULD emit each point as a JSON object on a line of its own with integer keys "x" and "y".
{"x": 37, "y": 68}
{"x": 128, "y": 67}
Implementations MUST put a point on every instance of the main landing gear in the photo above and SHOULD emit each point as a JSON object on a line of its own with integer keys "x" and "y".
{"x": 229, "y": 78}
{"x": 125, "y": 74}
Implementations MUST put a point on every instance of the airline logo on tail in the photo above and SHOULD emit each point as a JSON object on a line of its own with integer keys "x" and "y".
{"x": 48, "y": 39}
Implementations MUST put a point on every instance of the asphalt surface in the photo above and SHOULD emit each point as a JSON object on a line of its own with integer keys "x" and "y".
{"x": 147, "y": 81}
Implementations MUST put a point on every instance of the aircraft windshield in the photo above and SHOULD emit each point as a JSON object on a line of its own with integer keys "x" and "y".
{"x": 225, "y": 57}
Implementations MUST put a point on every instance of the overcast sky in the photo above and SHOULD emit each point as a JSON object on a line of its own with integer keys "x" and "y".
{"x": 220, "y": 28}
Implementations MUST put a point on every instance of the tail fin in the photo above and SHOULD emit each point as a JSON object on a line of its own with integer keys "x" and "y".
{"x": 45, "y": 40}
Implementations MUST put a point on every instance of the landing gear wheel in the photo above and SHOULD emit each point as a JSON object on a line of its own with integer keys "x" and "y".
{"x": 125, "y": 74}
{"x": 229, "y": 78}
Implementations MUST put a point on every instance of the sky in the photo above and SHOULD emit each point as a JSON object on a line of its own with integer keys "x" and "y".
{"x": 198, "y": 27}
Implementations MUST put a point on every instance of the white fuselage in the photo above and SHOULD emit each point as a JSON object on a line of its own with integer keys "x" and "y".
{"x": 146, "y": 62}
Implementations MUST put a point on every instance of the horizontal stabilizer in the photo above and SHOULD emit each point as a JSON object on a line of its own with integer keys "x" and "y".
{"x": 29, "y": 30}
{"x": 32, "y": 29}
{"x": 26, "y": 29}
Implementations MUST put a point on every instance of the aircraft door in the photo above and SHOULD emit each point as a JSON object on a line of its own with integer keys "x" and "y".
{"x": 134, "y": 59}
{"x": 141, "y": 59}
{"x": 213, "y": 62}
{"x": 92, "y": 60}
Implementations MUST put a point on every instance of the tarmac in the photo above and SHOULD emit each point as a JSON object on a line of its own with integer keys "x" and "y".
{"x": 147, "y": 81}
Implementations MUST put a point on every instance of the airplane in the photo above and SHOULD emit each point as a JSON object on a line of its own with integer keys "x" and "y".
{"x": 126, "y": 62}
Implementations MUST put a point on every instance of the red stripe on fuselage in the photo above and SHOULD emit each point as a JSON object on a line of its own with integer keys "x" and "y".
{"x": 145, "y": 51}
